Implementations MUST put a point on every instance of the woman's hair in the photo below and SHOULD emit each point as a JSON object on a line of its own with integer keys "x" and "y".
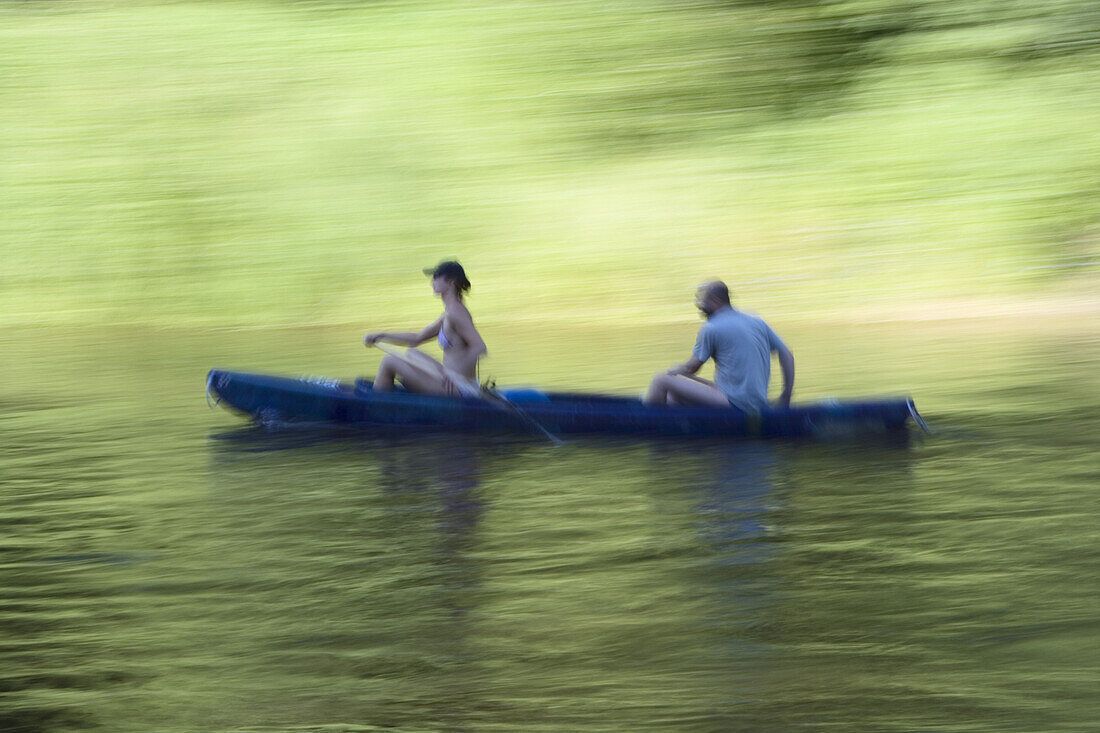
{"x": 452, "y": 271}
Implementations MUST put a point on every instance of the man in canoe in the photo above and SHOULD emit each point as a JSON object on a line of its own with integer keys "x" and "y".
{"x": 741, "y": 346}
{"x": 454, "y": 329}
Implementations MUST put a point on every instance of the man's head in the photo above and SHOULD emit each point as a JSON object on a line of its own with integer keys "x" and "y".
{"x": 451, "y": 272}
{"x": 712, "y": 297}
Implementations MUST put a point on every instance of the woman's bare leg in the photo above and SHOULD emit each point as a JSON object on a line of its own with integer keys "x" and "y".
{"x": 387, "y": 370}
{"x": 413, "y": 378}
{"x": 419, "y": 381}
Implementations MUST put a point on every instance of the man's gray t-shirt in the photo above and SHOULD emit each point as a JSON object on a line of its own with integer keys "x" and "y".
{"x": 741, "y": 346}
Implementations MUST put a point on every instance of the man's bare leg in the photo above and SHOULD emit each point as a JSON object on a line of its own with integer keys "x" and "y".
{"x": 669, "y": 389}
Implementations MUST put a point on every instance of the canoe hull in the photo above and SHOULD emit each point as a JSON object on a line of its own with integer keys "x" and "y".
{"x": 270, "y": 399}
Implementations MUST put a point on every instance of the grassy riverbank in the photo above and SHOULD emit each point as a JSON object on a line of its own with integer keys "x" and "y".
{"x": 259, "y": 163}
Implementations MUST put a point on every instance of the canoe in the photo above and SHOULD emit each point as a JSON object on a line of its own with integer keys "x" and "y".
{"x": 274, "y": 400}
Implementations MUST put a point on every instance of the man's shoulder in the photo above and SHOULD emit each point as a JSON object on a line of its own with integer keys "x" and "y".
{"x": 735, "y": 322}
{"x": 752, "y": 318}
{"x": 761, "y": 329}
{"x": 733, "y": 317}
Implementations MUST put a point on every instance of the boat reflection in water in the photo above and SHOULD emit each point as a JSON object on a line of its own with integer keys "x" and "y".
{"x": 447, "y": 577}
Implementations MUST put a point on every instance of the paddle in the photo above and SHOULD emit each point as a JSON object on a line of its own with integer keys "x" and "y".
{"x": 467, "y": 387}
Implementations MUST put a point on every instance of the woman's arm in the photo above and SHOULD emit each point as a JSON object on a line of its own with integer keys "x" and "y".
{"x": 407, "y": 338}
{"x": 463, "y": 325}
{"x": 464, "y": 360}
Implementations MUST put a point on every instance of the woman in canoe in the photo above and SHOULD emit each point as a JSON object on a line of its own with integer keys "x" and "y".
{"x": 461, "y": 343}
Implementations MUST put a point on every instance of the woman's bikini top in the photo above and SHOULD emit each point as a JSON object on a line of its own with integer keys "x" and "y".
{"x": 444, "y": 342}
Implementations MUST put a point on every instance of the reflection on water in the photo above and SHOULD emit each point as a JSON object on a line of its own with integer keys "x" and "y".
{"x": 166, "y": 567}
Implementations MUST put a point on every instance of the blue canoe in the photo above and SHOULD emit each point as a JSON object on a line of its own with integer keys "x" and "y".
{"x": 273, "y": 400}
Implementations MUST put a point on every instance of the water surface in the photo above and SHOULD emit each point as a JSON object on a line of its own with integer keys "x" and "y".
{"x": 168, "y": 567}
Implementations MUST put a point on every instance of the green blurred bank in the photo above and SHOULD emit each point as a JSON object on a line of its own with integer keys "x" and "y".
{"x": 281, "y": 163}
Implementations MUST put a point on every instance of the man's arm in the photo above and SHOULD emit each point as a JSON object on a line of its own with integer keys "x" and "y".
{"x": 686, "y": 369}
{"x": 786, "y": 364}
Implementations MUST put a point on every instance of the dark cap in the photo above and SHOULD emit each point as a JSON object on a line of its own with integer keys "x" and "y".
{"x": 452, "y": 271}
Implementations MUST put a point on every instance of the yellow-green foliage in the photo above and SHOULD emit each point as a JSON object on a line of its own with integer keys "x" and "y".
{"x": 260, "y": 163}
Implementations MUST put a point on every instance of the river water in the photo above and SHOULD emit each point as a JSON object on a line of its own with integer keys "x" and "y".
{"x": 167, "y": 567}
